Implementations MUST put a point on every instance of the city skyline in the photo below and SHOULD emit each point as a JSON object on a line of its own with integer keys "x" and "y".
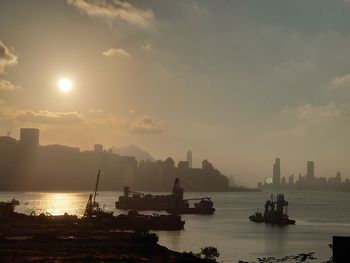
{"x": 307, "y": 181}
{"x": 30, "y": 137}
{"x": 26, "y": 165}
{"x": 238, "y": 83}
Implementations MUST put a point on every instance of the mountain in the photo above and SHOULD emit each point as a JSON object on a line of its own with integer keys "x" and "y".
{"x": 133, "y": 150}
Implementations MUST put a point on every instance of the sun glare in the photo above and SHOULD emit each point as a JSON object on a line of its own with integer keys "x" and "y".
{"x": 65, "y": 85}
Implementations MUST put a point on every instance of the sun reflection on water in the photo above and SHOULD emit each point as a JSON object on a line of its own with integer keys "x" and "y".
{"x": 59, "y": 203}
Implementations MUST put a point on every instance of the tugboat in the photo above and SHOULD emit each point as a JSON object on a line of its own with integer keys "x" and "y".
{"x": 275, "y": 212}
{"x": 173, "y": 203}
{"x": 257, "y": 217}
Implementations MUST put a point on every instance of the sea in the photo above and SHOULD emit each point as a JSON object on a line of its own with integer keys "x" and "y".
{"x": 318, "y": 215}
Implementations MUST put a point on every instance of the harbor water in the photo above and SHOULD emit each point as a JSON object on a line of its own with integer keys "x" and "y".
{"x": 318, "y": 215}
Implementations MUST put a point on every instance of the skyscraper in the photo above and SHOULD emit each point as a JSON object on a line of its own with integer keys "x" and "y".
{"x": 98, "y": 148}
{"x": 29, "y": 138}
{"x": 276, "y": 176}
{"x": 189, "y": 159}
{"x": 310, "y": 169}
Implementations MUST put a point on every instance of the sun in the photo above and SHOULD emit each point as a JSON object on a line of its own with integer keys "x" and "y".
{"x": 65, "y": 85}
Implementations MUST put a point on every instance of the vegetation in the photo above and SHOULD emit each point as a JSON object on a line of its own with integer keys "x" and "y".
{"x": 210, "y": 253}
{"x": 299, "y": 258}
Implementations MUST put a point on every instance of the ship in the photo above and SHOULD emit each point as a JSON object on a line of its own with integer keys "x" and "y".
{"x": 173, "y": 203}
{"x": 275, "y": 213}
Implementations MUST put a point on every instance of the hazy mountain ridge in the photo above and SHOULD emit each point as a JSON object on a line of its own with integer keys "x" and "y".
{"x": 135, "y": 151}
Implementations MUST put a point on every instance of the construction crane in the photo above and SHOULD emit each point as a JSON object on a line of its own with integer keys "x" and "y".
{"x": 91, "y": 203}
{"x": 96, "y": 186}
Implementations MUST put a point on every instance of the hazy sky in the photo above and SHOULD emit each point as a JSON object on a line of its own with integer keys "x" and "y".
{"x": 237, "y": 82}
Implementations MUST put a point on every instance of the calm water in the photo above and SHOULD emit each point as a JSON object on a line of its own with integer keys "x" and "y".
{"x": 319, "y": 216}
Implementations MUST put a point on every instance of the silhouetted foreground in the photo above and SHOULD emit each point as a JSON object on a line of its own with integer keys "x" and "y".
{"x": 38, "y": 245}
{"x": 340, "y": 248}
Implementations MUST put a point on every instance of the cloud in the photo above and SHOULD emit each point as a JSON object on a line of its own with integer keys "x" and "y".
{"x": 93, "y": 110}
{"x": 43, "y": 117}
{"x": 7, "y": 85}
{"x": 95, "y": 120}
{"x": 7, "y": 57}
{"x": 340, "y": 82}
{"x": 310, "y": 114}
{"x": 145, "y": 125}
{"x": 116, "y": 52}
{"x": 114, "y": 9}
{"x": 49, "y": 117}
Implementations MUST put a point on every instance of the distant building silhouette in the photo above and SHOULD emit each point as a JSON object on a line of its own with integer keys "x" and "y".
{"x": 183, "y": 165}
{"x": 29, "y": 138}
{"x": 98, "y": 148}
{"x": 207, "y": 165}
{"x": 310, "y": 170}
{"x": 307, "y": 182}
{"x": 189, "y": 159}
{"x": 291, "y": 179}
{"x": 276, "y": 172}
{"x": 25, "y": 165}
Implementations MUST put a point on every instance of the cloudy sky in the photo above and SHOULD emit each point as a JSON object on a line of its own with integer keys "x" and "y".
{"x": 239, "y": 82}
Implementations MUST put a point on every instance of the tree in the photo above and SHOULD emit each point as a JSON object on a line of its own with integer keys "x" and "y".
{"x": 210, "y": 253}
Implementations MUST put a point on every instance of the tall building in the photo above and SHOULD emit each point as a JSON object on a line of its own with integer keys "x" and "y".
{"x": 29, "y": 138}
{"x": 276, "y": 176}
{"x": 291, "y": 179}
{"x": 98, "y": 148}
{"x": 183, "y": 165}
{"x": 310, "y": 169}
{"x": 189, "y": 159}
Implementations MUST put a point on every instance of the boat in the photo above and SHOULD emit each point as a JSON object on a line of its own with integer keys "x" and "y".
{"x": 257, "y": 217}
{"x": 203, "y": 207}
{"x": 275, "y": 212}
{"x": 95, "y": 217}
{"x": 173, "y": 203}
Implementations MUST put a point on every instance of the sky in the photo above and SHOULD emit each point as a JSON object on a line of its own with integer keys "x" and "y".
{"x": 238, "y": 82}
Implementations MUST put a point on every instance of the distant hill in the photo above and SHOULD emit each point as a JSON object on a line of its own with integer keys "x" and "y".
{"x": 133, "y": 150}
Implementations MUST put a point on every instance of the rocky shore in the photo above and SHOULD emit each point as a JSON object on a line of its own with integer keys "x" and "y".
{"x": 39, "y": 244}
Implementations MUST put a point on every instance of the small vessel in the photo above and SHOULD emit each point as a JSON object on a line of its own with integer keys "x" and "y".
{"x": 275, "y": 212}
{"x": 203, "y": 207}
{"x": 173, "y": 203}
{"x": 257, "y": 217}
